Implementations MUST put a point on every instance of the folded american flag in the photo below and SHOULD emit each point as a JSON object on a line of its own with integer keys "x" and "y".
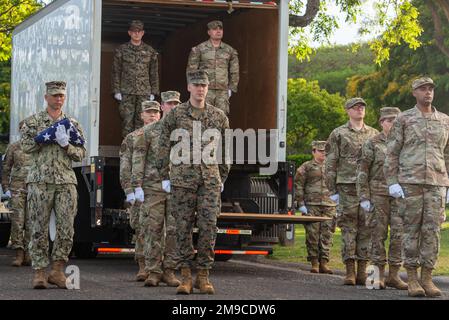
{"x": 48, "y": 135}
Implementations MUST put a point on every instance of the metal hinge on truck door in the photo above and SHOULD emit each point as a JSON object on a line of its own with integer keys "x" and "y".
{"x": 93, "y": 177}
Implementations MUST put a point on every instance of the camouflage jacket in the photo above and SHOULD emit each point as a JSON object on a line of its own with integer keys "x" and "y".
{"x": 418, "y": 150}
{"x": 310, "y": 188}
{"x": 50, "y": 163}
{"x": 145, "y": 172}
{"x": 370, "y": 169}
{"x": 15, "y": 168}
{"x": 221, "y": 64}
{"x": 342, "y": 152}
{"x": 135, "y": 70}
{"x": 189, "y": 173}
{"x": 126, "y": 163}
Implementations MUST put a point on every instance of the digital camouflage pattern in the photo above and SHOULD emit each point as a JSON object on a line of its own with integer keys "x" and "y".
{"x": 20, "y": 222}
{"x": 421, "y": 211}
{"x": 219, "y": 99}
{"x": 135, "y": 70}
{"x": 418, "y": 151}
{"x": 342, "y": 152}
{"x": 126, "y": 153}
{"x": 319, "y": 235}
{"x": 130, "y": 109}
{"x": 310, "y": 187}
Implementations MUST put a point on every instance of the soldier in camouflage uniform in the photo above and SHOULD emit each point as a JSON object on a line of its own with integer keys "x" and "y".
{"x": 313, "y": 197}
{"x": 416, "y": 171}
{"x": 155, "y": 213}
{"x": 343, "y": 148}
{"x": 135, "y": 197}
{"x": 221, "y": 62}
{"x": 51, "y": 184}
{"x": 134, "y": 77}
{"x": 195, "y": 185}
{"x": 381, "y": 210}
{"x": 14, "y": 173}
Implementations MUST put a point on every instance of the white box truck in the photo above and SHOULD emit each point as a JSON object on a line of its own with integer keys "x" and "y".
{"x": 74, "y": 41}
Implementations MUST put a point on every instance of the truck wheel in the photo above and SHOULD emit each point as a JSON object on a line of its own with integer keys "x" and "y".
{"x": 5, "y": 231}
{"x": 223, "y": 257}
{"x": 84, "y": 250}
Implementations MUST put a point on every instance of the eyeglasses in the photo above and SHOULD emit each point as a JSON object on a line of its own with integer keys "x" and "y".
{"x": 358, "y": 107}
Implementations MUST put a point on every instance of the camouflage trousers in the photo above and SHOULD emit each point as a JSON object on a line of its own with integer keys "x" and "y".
{"x": 319, "y": 235}
{"x": 384, "y": 214}
{"x": 20, "y": 222}
{"x": 206, "y": 201}
{"x": 160, "y": 232}
{"x": 421, "y": 210}
{"x": 42, "y": 198}
{"x": 130, "y": 109}
{"x": 134, "y": 222}
{"x": 219, "y": 99}
{"x": 355, "y": 233}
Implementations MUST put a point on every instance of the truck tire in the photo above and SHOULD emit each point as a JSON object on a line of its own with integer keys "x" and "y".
{"x": 5, "y": 231}
{"x": 84, "y": 250}
{"x": 223, "y": 257}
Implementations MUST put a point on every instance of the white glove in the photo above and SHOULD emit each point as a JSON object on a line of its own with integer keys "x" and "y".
{"x": 118, "y": 96}
{"x": 151, "y": 97}
{"x": 62, "y": 138}
{"x": 335, "y": 198}
{"x": 166, "y": 185}
{"x": 139, "y": 194}
{"x": 396, "y": 191}
{"x": 8, "y": 193}
{"x": 131, "y": 198}
{"x": 222, "y": 187}
{"x": 303, "y": 209}
{"x": 366, "y": 205}
{"x": 443, "y": 217}
{"x": 447, "y": 195}
{"x": 230, "y": 93}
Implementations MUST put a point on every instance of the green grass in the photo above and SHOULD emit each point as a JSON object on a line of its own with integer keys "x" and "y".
{"x": 298, "y": 252}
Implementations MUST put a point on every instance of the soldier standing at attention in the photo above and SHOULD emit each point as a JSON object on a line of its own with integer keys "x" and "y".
{"x": 381, "y": 210}
{"x": 156, "y": 215}
{"x": 51, "y": 184}
{"x": 343, "y": 148}
{"x": 135, "y": 197}
{"x": 195, "y": 185}
{"x": 416, "y": 171}
{"x": 14, "y": 174}
{"x": 313, "y": 197}
{"x": 221, "y": 62}
{"x": 134, "y": 77}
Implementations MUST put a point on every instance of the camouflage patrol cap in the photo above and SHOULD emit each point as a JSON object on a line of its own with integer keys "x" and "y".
{"x": 197, "y": 77}
{"x": 136, "y": 25}
{"x": 422, "y": 81}
{"x": 55, "y": 87}
{"x": 151, "y": 105}
{"x": 169, "y": 96}
{"x": 319, "y": 145}
{"x": 353, "y": 101}
{"x": 389, "y": 112}
{"x": 215, "y": 24}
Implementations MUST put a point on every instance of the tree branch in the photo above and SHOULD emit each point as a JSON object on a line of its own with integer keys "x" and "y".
{"x": 312, "y": 8}
{"x": 438, "y": 35}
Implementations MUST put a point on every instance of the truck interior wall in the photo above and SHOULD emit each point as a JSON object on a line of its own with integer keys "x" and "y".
{"x": 253, "y": 32}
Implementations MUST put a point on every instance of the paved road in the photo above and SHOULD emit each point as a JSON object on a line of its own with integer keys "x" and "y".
{"x": 112, "y": 278}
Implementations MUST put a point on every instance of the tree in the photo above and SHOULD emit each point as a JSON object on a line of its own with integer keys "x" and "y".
{"x": 13, "y": 12}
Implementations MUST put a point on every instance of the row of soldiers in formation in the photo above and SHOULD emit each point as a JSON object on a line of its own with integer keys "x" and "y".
{"x": 373, "y": 181}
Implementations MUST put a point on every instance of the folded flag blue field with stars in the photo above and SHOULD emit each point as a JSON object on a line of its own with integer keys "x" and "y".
{"x": 48, "y": 135}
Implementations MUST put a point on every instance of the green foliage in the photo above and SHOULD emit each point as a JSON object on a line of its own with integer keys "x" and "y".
{"x": 312, "y": 114}
{"x": 299, "y": 159}
{"x": 5, "y": 88}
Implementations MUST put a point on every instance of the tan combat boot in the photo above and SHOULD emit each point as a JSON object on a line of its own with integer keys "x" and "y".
{"x": 394, "y": 280}
{"x": 324, "y": 268}
{"x": 315, "y": 266}
{"x": 153, "y": 279}
{"x": 186, "y": 286}
{"x": 427, "y": 284}
{"x": 414, "y": 288}
{"x": 169, "y": 278}
{"x": 19, "y": 258}
{"x": 202, "y": 282}
{"x": 142, "y": 275}
{"x": 26, "y": 259}
{"x": 40, "y": 279}
{"x": 361, "y": 272}
{"x": 57, "y": 276}
{"x": 381, "y": 281}
{"x": 350, "y": 273}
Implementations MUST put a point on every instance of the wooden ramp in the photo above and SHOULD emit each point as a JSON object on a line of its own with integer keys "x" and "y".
{"x": 268, "y": 218}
